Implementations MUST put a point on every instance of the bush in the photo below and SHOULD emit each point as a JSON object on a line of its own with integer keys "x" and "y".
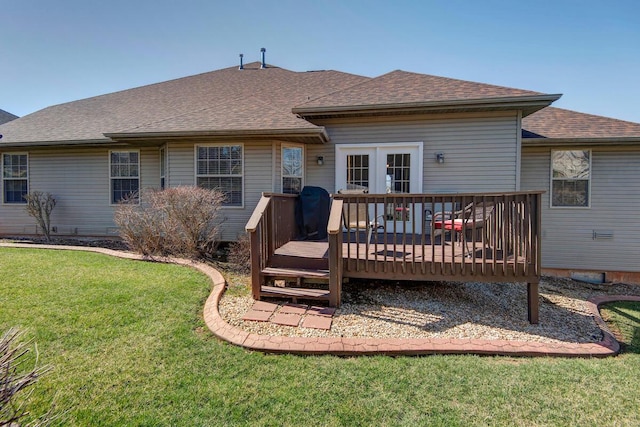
{"x": 240, "y": 254}
{"x": 14, "y": 380}
{"x": 39, "y": 206}
{"x": 181, "y": 221}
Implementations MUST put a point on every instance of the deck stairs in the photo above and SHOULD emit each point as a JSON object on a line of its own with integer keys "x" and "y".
{"x": 299, "y": 270}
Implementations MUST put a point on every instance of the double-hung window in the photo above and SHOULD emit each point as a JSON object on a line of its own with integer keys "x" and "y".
{"x": 221, "y": 167}
{"x": 15, "y": 177}
{"x": 570, "y": 178}
{"x": 124, "y": 174}
{"x": 292, "y": 169}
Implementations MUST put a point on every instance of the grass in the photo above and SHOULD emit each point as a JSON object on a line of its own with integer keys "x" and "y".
{"x": 624, "y": 320}
{"x": 129, "y": 347}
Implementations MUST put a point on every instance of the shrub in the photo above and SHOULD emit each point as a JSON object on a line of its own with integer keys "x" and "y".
{"x": 180, "y": 221}
{"x": 39, "y": 206}
{"x": 240, "y": 254}
{"x": 14, "y": 380}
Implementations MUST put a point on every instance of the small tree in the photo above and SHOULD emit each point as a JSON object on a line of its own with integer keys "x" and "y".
{"x": 176, "y": 221}
{"x": 39, "y": 206}
{"x": 14, "y": 380}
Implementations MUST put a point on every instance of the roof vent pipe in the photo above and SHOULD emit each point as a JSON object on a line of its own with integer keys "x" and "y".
{"x": 263, "y": 65}
{"x": 241, "y": 65}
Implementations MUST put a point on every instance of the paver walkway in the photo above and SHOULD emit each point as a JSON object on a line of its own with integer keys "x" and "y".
{"x": 291, "y": 315}
{"x": 608, "y": 346}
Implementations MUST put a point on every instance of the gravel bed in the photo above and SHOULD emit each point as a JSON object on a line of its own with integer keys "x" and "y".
{"x": 449, "y": 310}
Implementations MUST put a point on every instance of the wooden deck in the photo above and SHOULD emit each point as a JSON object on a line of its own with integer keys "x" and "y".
{"x": 409, "y": 261}
{"x": 492, "y": 238}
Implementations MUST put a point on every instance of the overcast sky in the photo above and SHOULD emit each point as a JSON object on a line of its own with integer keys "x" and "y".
{"x": 57, "y": 51}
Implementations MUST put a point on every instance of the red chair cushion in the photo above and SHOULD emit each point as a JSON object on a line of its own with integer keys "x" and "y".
{"x": 456, "y": 224}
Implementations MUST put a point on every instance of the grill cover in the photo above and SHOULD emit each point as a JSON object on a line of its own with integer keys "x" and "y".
{"x": 313, "y": 208}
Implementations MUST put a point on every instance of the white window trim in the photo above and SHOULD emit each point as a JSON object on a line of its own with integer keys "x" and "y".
{"x": 111, "y": 178}
{"x": 14, "y": 153}
{"x": 196, "y": 175}
{"x": 304, "y": 169}
{"x": 551, "y": 179}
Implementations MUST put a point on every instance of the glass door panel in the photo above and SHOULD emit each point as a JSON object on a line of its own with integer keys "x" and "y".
{"x": 383, "y": 169}
{"x": 358, "y": 172}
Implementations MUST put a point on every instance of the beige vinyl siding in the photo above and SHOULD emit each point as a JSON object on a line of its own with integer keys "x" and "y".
{"x": 258, "y": 172}
{"x": 480, "y": 151}
{"x": 181, "y": 164}
{"x": 79, "y": 180}
{"x": 567, "y": 234}
{"x": 321, "y": 176}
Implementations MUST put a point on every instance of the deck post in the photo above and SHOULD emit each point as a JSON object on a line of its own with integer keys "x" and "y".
{"x": 533, "y": 300}
{"x": 334, "y": 229}
{"x": 255, "y": 265}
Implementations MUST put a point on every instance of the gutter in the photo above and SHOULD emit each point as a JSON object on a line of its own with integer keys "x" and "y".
{"x": 534, "y": 102}
{"x": 602, "y": 141}
{"x": 126, "y": 138}
{"x": 44, "y": 144}
{"x": 319, "y": 133}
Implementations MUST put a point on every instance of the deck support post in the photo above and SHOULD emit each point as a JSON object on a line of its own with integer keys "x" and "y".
{"x": 256, "y": 274}
{"x": 334, "y": 231}
{"x": 533, "y": 300}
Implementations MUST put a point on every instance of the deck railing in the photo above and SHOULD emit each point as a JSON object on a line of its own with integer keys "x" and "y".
{"x": 271, "y": 225}
{"x": 493, "y": 236}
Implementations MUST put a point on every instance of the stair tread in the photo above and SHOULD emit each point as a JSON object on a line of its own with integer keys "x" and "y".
{"x": 295, "y": 272}
{"x": 295, "y": 292}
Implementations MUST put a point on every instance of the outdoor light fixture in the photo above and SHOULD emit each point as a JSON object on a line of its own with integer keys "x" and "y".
{"x": 440, "y": 157}
{"x": 320, "y": 160}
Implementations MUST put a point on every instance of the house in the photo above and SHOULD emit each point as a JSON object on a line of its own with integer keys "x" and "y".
{"x": 260, "y": 129}
{"x": 6, "y": 117}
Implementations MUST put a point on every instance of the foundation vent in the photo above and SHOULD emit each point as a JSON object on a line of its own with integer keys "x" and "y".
{"x": 602, "y": 234}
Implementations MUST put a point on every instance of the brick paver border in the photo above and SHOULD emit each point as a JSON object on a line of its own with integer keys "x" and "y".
{"x": 608, "y": 346}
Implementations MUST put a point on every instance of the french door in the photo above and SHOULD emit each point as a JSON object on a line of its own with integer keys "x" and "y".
{"x": 394, "y": 168}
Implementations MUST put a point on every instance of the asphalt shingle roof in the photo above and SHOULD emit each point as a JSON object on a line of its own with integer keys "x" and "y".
{"x": 224, "y": 100}
{"x": 559, "y": 123}
{"x": 402, "y": 87}
{"x": 255, "y": 100}
{"x": 5, "y": 117}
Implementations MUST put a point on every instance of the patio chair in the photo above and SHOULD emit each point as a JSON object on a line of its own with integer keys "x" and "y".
{"x": 356, "y": 217}
{"x": 470, "y": 221}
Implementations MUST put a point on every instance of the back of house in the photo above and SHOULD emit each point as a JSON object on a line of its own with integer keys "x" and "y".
{"x": 260, "y": 128}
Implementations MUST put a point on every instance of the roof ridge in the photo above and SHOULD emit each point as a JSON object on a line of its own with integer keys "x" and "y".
{"x": 453, "y": 79}
{"x": 197, "y": 110}
{"x": 336, "y": 91}
{"x": 149, "y": 85}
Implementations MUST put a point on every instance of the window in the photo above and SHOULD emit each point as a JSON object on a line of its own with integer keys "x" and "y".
{"x": 124, "y": 173}
{"x": 358, "y": 172}
{"x": 570, "y": 178}
{"x": 221, "y": 167}
{"x": 163, "y": 167}
{"x": 15, "y": 177}
{"x": 292, "y": 169}
{"x": 398, "y": 173}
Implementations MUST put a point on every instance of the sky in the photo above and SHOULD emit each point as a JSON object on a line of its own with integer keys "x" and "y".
{"x": 53, "y": 52}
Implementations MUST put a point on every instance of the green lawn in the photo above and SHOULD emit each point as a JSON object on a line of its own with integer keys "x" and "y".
{"x": 624, "y": 318}
{"x": 128, "y": 346}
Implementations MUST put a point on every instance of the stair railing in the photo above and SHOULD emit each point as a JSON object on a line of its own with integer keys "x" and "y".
{"x": 272, "y": 224}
